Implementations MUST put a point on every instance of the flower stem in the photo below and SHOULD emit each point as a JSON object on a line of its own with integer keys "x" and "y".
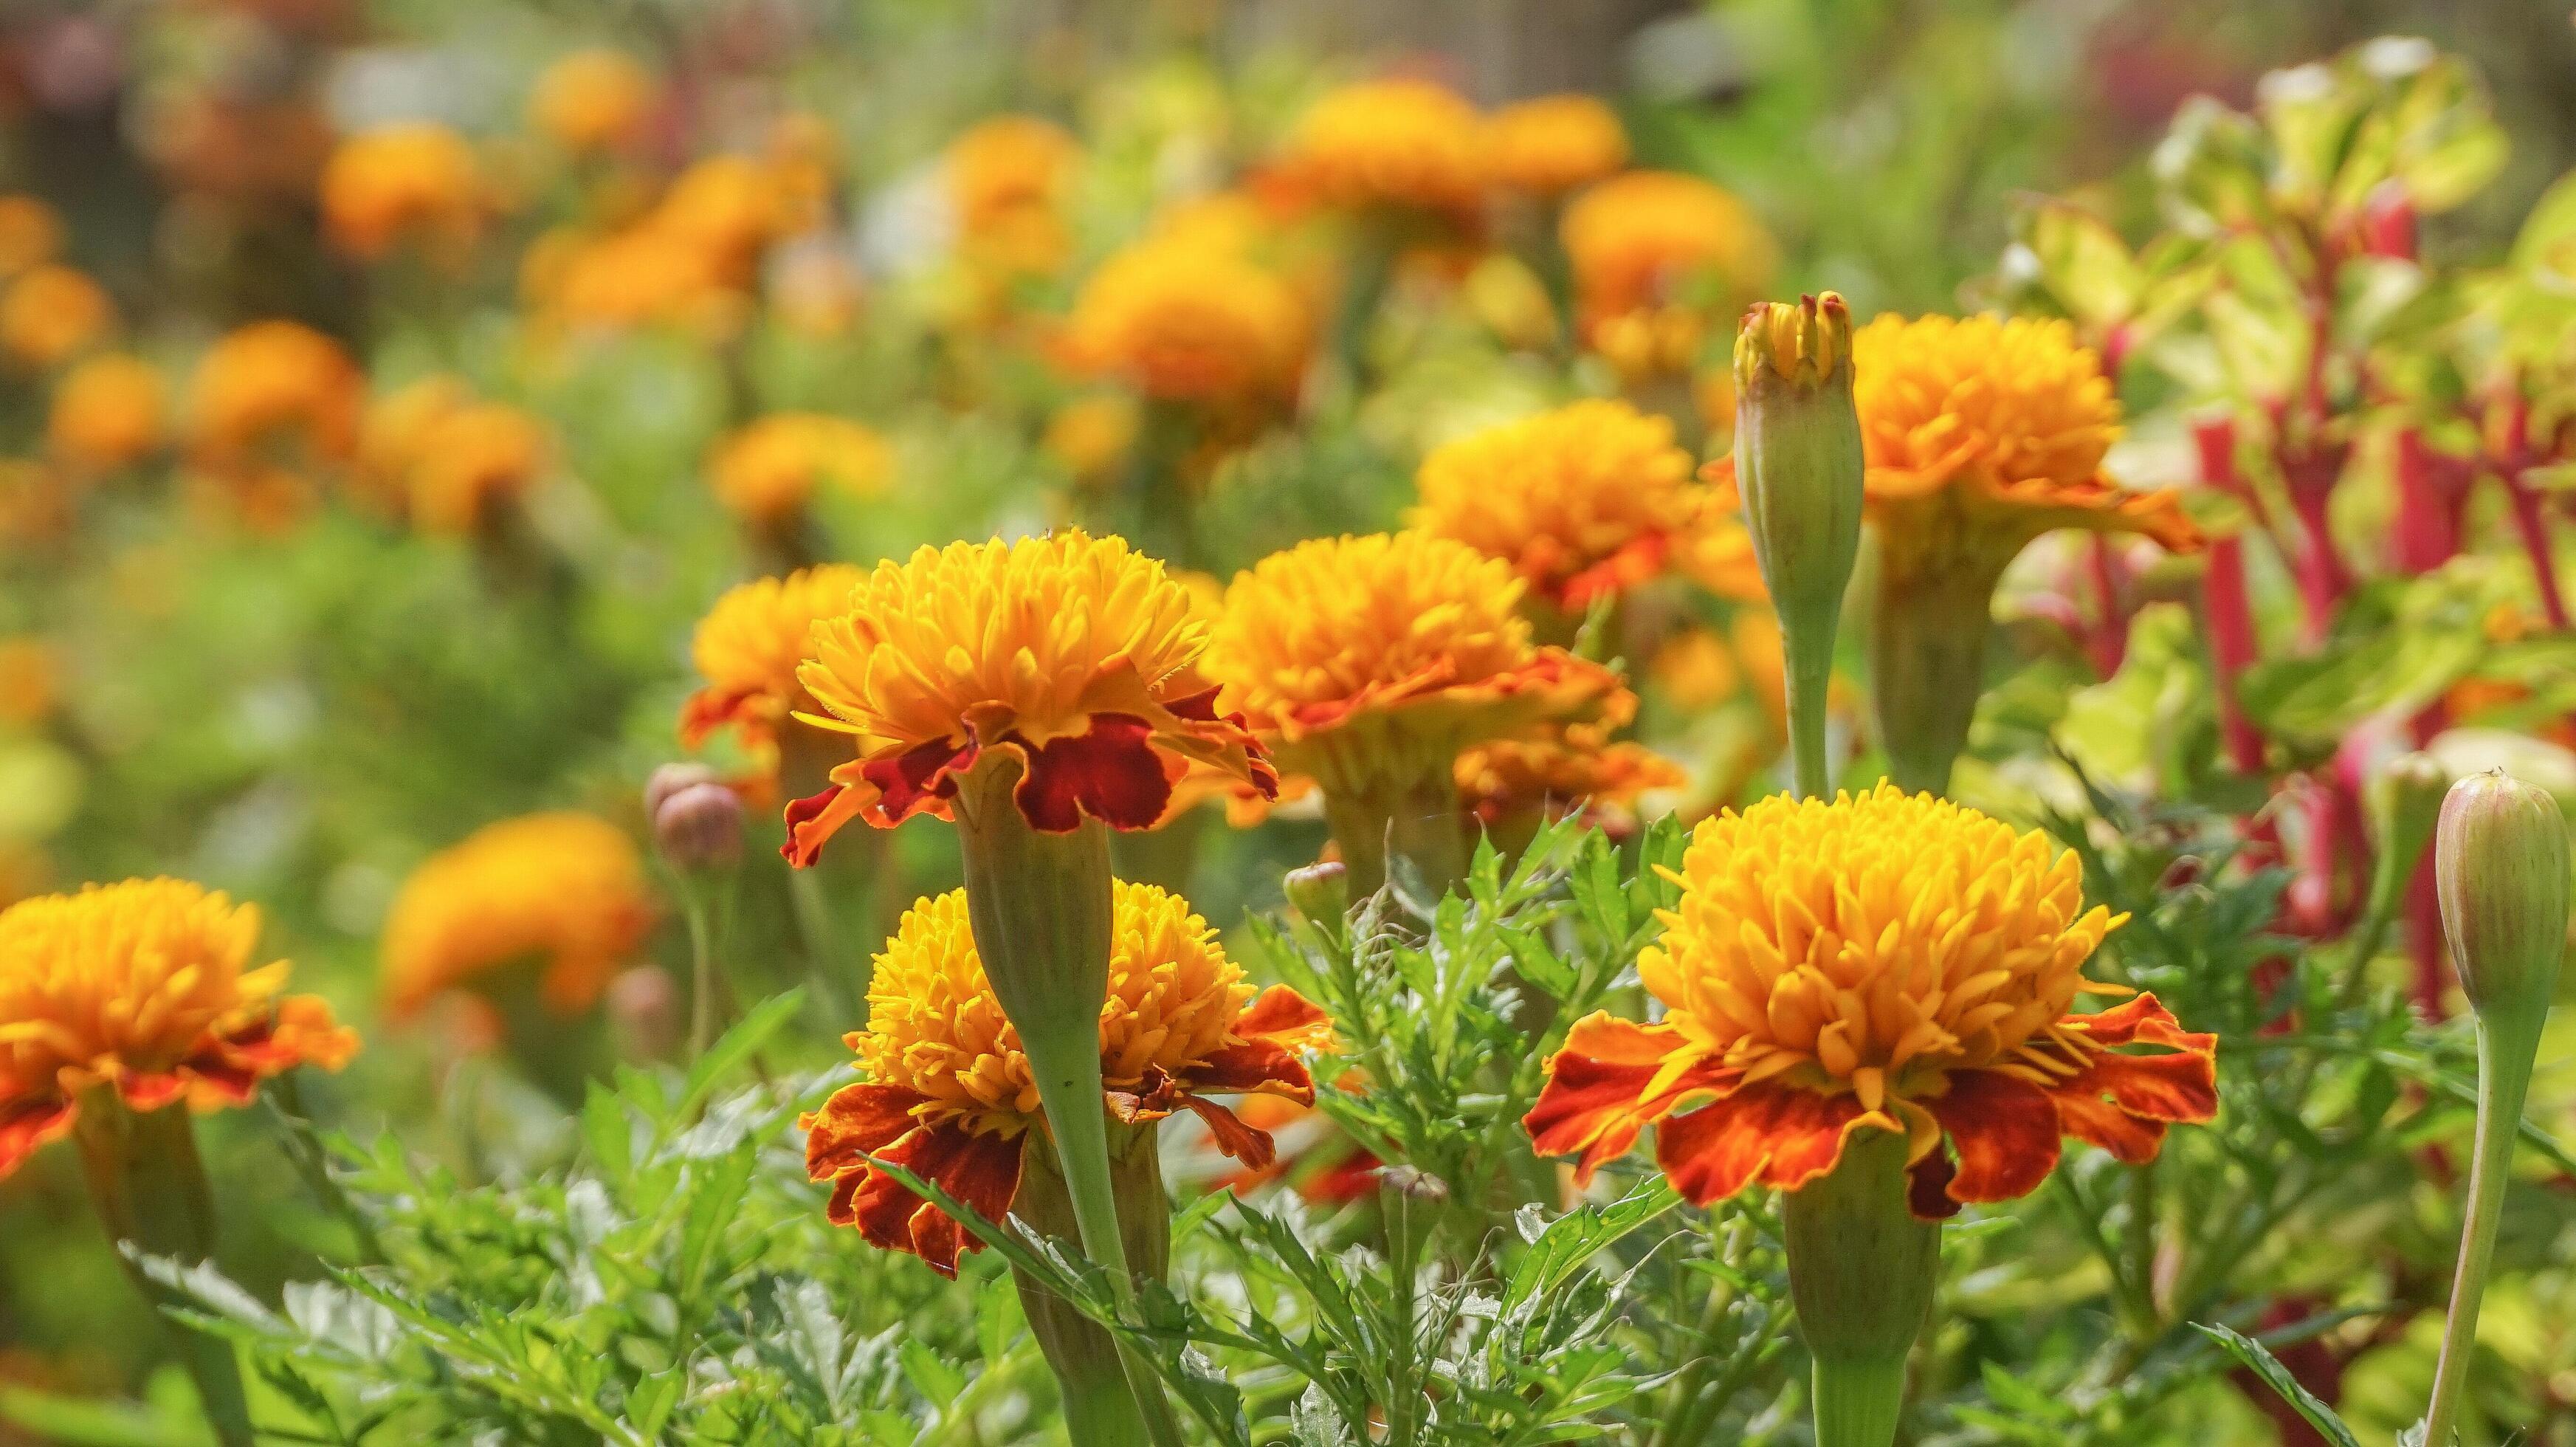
{"x": 2505, "y": 1059}
{"x": 1927, "y": 666}
{"x": 1862, "y": 1270}
{"x": 1810, "y": 670}
{"x": 1418, "y": 823}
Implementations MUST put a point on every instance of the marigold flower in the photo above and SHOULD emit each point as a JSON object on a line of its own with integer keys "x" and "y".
{"x": 1393, "y": 142}
{"x": 733, "y": 208}
{"x": 1891, "y": 961}
{"x": 1090, "y": 436}
{"x": 768, "y": 470}
{"x": 1510, "y": 784}
{"x": 415, "y": 181}
{"x": 1008, "y": 179}
{"x": 272, "y": 389}
{"x": 1553, "y": 144}
{"x": 30, "y": 680}
{"x": 1585, "y": 501}
{"x": 51, "y": 313}
{"x": 749, "y": 647}
{"x": 30, "y": 234}
{"x": 107, "y": 413}
{"x": 563, "y": 890}
{"x": 593, "y": 100}
{"x": 643, "y": 274}
{"x": 1654, "y": 254}
{"x": 448, "y": 460}
{"x": 140, "y": 987}
{"x": 950, "y": 1094}
{"x": 1186, "y": 321}
{"x": 1077, "y": 656}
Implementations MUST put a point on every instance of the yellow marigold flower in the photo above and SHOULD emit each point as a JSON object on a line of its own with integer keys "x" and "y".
{"x": 476, "y": 458}
{"x": 749, "y": 647}
{"x": 950, "y": 1095}
{"x": 30, "y": 680}
{"x": 1655, "y": 253}
{"x": 51, "y": 313}
{"x": 30, "y": 234}
{"x": 140, "y": 988}
{"x": 1076, "y": 656}
{"x": 1008, "y": 179}
{"x": 563, "y": 890}
{"x": 1891, "y": 961}
{"x": 1373, "y": 660}
{"x": 1394, "y": 142}
{"x": 594, "y": 100}
{"x": 273, "y": 389}
{"x": 416, "y": 182}
{"x": 1090, "y": 436}
{"x": 1186, "y": 322}
{"x": 733, "y": 207}
{"x": 1694, "y": 671}
{"x": 1553, "y": 144}
{"x": 108, "y": 413}
{"x": 643, "y": 274}
{"x": 1584, "y": 501}
{"x": 768, "y": 471}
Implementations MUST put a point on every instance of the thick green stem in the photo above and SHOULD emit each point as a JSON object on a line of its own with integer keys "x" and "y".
{"x": 1419, "y": 823}
{"x": 1927, "y": 665}
{"x": 1098, "y": 1406}
{"x": 1810, "y": 669}
{"x": 1862, "y": 1271}
{"x": 2504, "y": 1077}
{"x": 151, "y": 1193}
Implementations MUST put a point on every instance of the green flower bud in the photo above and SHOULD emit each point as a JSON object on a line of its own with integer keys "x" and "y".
{"x": 2405, "y": 799}
{"x": 1320, "y": 892}
{"x": 2500, "y": 866}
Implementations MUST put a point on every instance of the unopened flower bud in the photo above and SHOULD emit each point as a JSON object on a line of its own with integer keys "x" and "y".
{"x": 1320, "y": 892}
{"x": 671, "y": 779}
{"x": 1412, "y": 1184}
{"x": 644, "y": 1012}
{"x": 2405, "y": 798}
{"x": 2500, "y": 865}
{"x": 697, "y": 825}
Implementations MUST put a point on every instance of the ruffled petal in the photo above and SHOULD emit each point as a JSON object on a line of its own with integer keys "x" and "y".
{"x": 981, "y": 1171}
{"x": 1245, "y": 1143}
{"x": 1606, "y": 1085}
{"x": 2005, "y": 1129}
{"x": 1111, "y": 772}
{"x": 2122, "y": 1103}
{"x": 857, "y": 1122}
{"x": 1272, "y": 1034}
{"x": 1779, "y": 1135}
{"x": 27, "y": 1123}
{"x": 710, "y": 709}
{"x": 2141, "y": 1020}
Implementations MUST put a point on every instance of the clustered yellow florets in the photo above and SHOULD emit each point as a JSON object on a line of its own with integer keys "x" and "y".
{"x": 771, "y": 468}
{"x": 1184, "y": 319}
{"x": 1582, "y": 501}
{"x": 1871, "y": 941}
{"x": 935, "y": 1027}
{"x": 2018, "y": 399}
{"x": 565, "y": 891}
{"x": 750, "y": 645}
{"x": 1396, "y": 142}
{"x": 1655, "y": 255}
{"x": 1554, "y": 143}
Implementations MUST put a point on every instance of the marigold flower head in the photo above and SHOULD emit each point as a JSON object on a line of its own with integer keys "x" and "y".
{"x": 563, "y": 890}
{"x": 108, "y": 413}
{"x": 30, "y": 680}
{"x": 1647, "y": 241}
{"x": 1393, "y": 142}
{"x": 1561, "y": 772}
{"x": 446, "y": 458}
{"x": 749, "y": 647}
{"x": 1008, "y": 180}
{"x": 51, "y": 313}
{"x": 732, "y": 207}
{"x": 1891, "y": 961}
{"x": 643, "y": 274}
{"x": 594, "y": 100}
{"x": 1076, "y": 657}
{"x": 1366, "y": 659}
{"x": 140, "y": 987}
{"x": 1186, "y": 321}
{"x": 1585, "y": 501}
{"x": 950, "y": 1094}
{"x": 30, "y": 234}
{"x": 1555, "y": 143}
{"x": 415, "y": 181}
{"x": 769, "y": 470}
{"x": 1090, "y": 436}
{"x": 273, "y": 390}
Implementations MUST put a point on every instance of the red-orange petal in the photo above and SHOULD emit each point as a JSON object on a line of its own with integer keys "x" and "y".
{"x": 1245, "y": 1143}
{"x": 1596, "y": 1099}
{"x": 2141, "y": 1020}
{"x": 1777, "y": 1134}
{"x": 981, "y": 1171}
{"x": 712, "y": 708}
{"x": 27, "y": 1124}
{"x": 2006, "y": 1131}
{"x": 1272, "y": 1032}
{"x": 856, "y": 1122}
{"x": 1111, "y": 772}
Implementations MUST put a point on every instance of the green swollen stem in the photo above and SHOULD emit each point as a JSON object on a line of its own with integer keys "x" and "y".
{"x": 1810, "y": 671}
{"x": 2505, "y": 1058}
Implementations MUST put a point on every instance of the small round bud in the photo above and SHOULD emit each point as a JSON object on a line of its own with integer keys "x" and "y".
{"x": 1412, "y": 1184}
{"x": 644, "y": 1012}
{"x": 2500, "y": 864}
{"x": 699, "y": 826}
{"x": 670, "y": 779}
{"x": 1320, "y": 892}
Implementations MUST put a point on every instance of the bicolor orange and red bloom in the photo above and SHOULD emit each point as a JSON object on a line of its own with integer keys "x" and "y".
{"x": 950, "y": 1095}
{"x": 594, "y": 100}
{"x": 142, "y": 989}
{"x": 1365, "y": 659}
{"x": 1552, "y": 144}
{"x": 1398, "y": 142}
{"x": 1656, "y": 256}
{"x": 749, "y": 647}
{"x": 415, "y": 182}
{"x": 274, "y": 391}
{"x": 1076, "y": 657}
{"x": 1188, "y": 320}
{"x": 109, "y": 412}
{"x": 769, "y": 469}
{"x": 1585, "y": 501}
{"x": 563, "y": 891}
{"x": 1886, "y": 961}
{"x": 52, "y": 313}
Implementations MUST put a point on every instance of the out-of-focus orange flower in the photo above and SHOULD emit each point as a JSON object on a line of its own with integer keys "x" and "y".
{"x": 1186, "y": 321}
{"x": 1009, "y": 179}
{"x": 1511, "y": 783}
{"x": 274, "y": 391}
{"x": 1890, "y": 961}
{"x": 241, "y": 151}
{"x": 30, "y": 234}
{"x": 140, "y": 989}
{"x": 769, "y": 470}
{"x": 1394, "y": 142}
{"x": 414, "y": 182}
{"x": 629, "y": 278}
{"x": 1077, "y": 655}
{"x": 447, "y": 459}
{"x": 749, "y": 647}
{"x": 35, "y": 501}
{"x": 108, "y": 413}
{"x": 594, "y": 100}
{"x": 1656, "y": 256}
{"x": 564, "y": 891}
{"x": 734, "y": 207}
{"x": 1553, "y": 144}
{"x": 30, "y": 680}
{"x": 1091, "y": 436}
{"x": 1694, "y": 671}
{"x": 51, "y": 313}
{"x": 951, "y": 1096}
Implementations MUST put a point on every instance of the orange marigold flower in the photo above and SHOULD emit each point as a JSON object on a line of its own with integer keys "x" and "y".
{"x": 749, "y": 647}
{"x": 51, "y": 313}
{"x": 273, "y": 389}
{"x": 1076, "y": 656}
{"x": 1008, "y": 180}
{"x": 1891, "y": 961}
{"x": 950, "y": 1096}
{"x": 769, "y": 470}
{"x": 30, "y": 234}
{"x": 1655, "y": 253}
{"x": 1551, "y": 145}
{"x": 1394, "y": 142}
{"x": 594, "y": 100}
{"x": 1564, "y": 771}
{"x": 563, "y": 890}
{"x": 447, "y": 459}
{"x": 1365, "y": 660}
{"x": 733, "y": 208}
{"x": 140, "y": 988}
{"x": 416, "y": 181}
{"x": 1090, "y": 436}
{"x": 643, "y": 274}
{"x": 108, "y": 413}
{"x": 30, "y": 680}
{"x": 1586, "y": 501}
{"x": 1187, "y": 321}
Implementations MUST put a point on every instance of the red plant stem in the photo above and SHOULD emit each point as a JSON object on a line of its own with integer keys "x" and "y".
{"x": 2223, "y": 599}
{"x": 2424, "y": 940}
{"x": 2323, "y": 580}
{"x": 2110, "y": 641}
{"x": 2428, "y": 509}
{"x": 2534, "y": 527}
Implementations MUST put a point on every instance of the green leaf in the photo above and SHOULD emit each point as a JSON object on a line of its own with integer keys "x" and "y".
{"x": 2259, "y": 1360}
{"x": 737, "y": 1046}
